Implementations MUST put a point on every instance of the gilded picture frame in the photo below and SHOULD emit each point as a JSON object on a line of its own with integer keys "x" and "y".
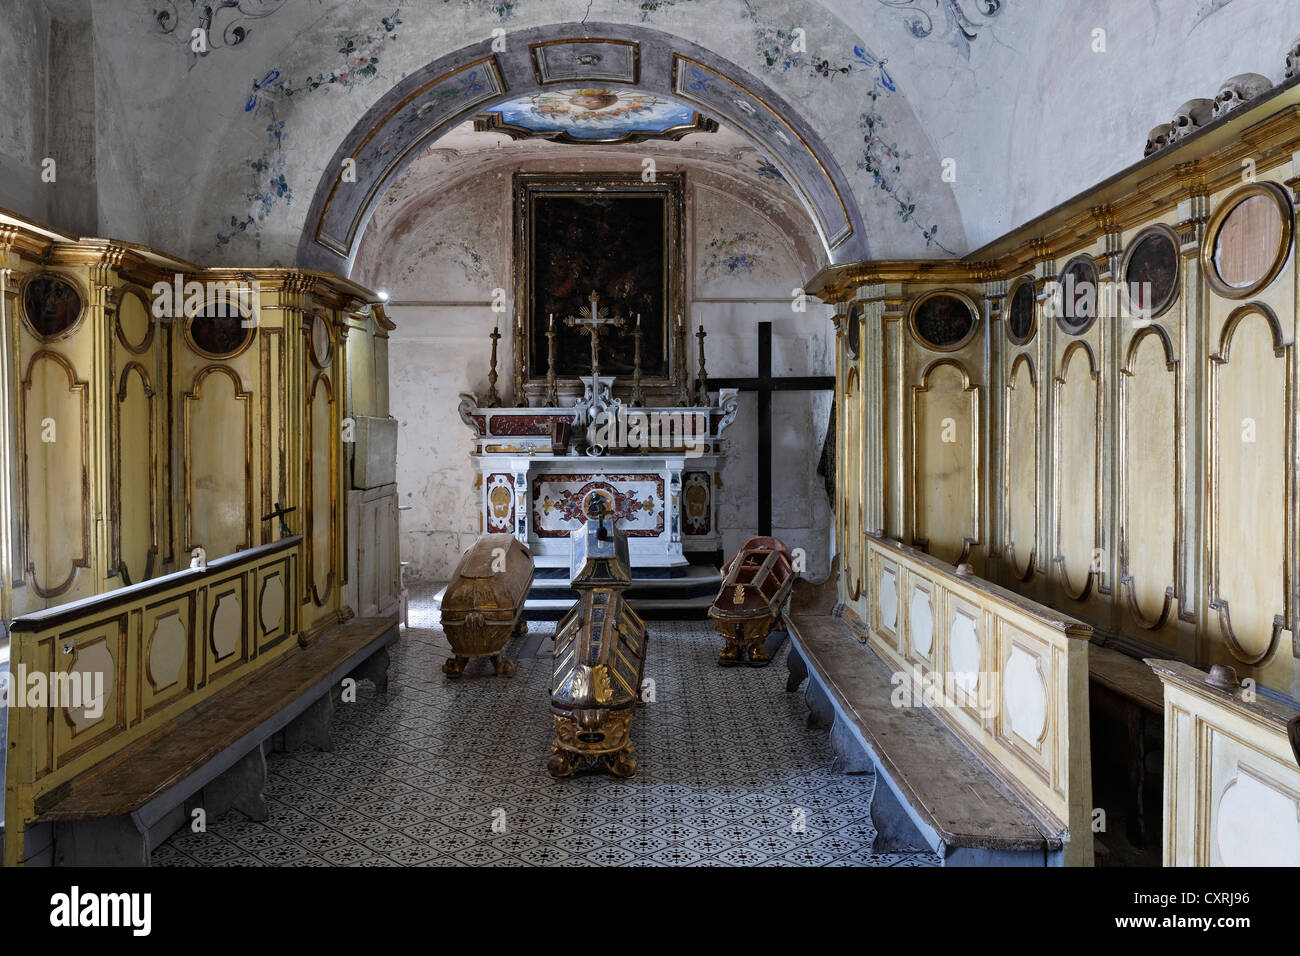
{"x": 665, "y": 339}
{"x": 1226, "y": 208}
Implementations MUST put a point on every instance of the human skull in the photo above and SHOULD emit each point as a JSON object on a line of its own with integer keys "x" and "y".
{"x": 1238, "y": 90}
{"x": 1157, "y": 139}
{"x": 1190, "y": 117}
{"x": 1293, "y": 59}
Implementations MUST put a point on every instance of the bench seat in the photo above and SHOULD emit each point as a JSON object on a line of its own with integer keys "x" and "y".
{"x": 967, "y": 701}
{"x": 950, "y": 797}
{"x": 117, "y": 812}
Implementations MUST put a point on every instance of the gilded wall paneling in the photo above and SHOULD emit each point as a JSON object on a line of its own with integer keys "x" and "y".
{"x": 1077, "y": 434}
{"x": 1150, "y": 504}
{"x": 135, "y": 476}
{"x": 54, "y": 450}
{"x": 946, "y": 461}
{"x": 217, "y": 448}
{"x": 1249, "y": 477}
{"x": 322, "y": 494}
{"x": 1020, "y": 474}
{"x": 853, "y": 571}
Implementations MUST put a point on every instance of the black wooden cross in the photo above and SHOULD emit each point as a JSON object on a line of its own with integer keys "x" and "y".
{"x": 765, "y": 385}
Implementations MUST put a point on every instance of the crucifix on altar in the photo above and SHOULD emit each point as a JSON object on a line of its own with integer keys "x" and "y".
{"x": 591, "y": 318}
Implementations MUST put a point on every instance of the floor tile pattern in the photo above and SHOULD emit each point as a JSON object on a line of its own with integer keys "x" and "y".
{"x": 453, "y": 773}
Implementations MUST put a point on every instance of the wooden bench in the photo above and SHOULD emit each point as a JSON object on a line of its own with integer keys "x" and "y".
{"x": 983, "y": 765}
{"x": 178, "y": 731}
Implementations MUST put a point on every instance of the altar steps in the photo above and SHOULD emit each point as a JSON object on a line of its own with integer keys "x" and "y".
{"x": 654, "y": 596}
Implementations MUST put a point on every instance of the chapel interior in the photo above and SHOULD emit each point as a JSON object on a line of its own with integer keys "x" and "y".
{"x": 650, "y": 433}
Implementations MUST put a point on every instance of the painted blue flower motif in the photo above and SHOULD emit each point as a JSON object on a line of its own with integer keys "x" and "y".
{"x": 260, "y": 98}
{"x": 871, "y": 62}
{"x": 766, "y": 170}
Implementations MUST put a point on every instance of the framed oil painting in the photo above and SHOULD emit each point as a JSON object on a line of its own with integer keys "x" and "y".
{"x": 1150, "y": 271}
{"x": 52, "y": 305}
{"x": 613, "y": 235}
{"x": 1078, "y": 304}
{"x": 1022, "y": 320}
{"x": 944, "y": 321}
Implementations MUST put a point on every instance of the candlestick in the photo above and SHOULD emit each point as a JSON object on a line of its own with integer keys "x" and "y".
{"x": 493, "y": 399}
{"x": 636, "y": 399}
{"x": 520, "y": 399}
{"x": 552, "y": 398}
{"x": 702, "y": 377}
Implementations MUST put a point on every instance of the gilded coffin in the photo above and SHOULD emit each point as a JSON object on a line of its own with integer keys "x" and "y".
{"x": 599, "y": 658}
{"x": 484, "y": 603}
{"x": 755, "y": 584}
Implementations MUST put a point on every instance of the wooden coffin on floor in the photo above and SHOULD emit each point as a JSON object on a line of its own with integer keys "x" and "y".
{"x": 484, "y": 603}
{"x": 600, "y": 649}
{"x": 755, "y": 584}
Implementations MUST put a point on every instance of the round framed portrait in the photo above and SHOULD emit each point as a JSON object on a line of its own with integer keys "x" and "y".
{"x": 1078, "y": 305}
{"x": 53, "y": 306}
{"x": 219, "y": 330}
{"x": 322, "y": 348}
{"x": 1150, "y": 272}
{"x": 1022, "y": 317}
{"x": 1247, "y": 240}
{"x": 944, "y": 321}
{"x": 134, "y": 321}
{"x": 853, "y": 333}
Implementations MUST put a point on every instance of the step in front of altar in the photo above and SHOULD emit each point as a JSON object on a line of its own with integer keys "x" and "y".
{"x": 685, "y": 594}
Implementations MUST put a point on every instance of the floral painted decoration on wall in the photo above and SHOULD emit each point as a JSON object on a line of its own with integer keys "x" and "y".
{"x": 359, "y": 62}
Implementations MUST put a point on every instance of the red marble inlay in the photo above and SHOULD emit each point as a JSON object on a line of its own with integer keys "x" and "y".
{"x": 538, "y": 425}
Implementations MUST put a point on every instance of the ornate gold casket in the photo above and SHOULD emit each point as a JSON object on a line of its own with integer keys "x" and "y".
{"x": 599, "y": 658}
{"x": 756, "y": 582}
{"x": 484, "y": 603}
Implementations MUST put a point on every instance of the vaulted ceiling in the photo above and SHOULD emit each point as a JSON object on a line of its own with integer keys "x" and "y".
{"x": 903, "y": 127}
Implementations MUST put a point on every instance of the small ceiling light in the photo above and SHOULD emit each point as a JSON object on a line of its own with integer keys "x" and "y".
{"x": 383, "y": 296}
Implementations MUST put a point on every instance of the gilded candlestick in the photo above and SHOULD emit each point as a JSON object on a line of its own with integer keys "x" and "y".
{"x": 702, "y": 378}
{"x": 552, "y": 399}
{"x": 637, "y": 399}
{"x": 493, "y": 399}
{"x": 520, "y": 399}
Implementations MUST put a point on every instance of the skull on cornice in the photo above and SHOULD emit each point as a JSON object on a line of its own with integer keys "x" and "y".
{"x": 1190, "y": 117}
{"x": 1293, "y": 59}
{"x": 1157, "y": 139}
{"x": 1239, "y": 90}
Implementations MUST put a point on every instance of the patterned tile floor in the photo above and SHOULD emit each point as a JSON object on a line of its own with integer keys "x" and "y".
{"x": 453, "y": 773}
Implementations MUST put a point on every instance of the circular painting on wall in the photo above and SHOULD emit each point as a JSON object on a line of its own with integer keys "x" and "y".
{"x": 943, "y": 321}
{"x": 1248, "y": 241}
{"x": 1078, "y": 307}
{"x": 855, "y": 329}
{"x": 1022, "y": 323}
{"x": 321, "y": 347}
{"x": 1151, "y": 273}
{"x": 219, "y": 331}
{"x": 51, "y": 305}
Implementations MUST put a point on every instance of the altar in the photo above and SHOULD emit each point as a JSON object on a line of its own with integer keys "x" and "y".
{"x": 660, "y": 477}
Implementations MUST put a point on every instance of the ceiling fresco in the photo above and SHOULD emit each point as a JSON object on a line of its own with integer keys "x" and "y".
{"x": 586, "y": 115}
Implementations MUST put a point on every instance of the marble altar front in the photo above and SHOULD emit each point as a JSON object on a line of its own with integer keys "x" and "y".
{"x": 660, "y": 476}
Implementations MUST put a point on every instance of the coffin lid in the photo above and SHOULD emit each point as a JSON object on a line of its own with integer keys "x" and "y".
{"x": 477, "y": 561}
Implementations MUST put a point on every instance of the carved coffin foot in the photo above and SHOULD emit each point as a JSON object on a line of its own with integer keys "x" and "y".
{"x": 562, "y": 762}
{"x": 503, "y": 667}
{"x": 758, "y": 656}
{"x": 454, "y": 666}
{"x": 732, "y": 654}
{"x": 621, "y": 764}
